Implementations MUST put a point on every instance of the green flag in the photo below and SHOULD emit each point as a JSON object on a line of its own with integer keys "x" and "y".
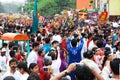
{"x": 35, "y": 19}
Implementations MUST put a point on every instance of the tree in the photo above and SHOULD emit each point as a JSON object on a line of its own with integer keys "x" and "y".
{"x": 50, "y": 7}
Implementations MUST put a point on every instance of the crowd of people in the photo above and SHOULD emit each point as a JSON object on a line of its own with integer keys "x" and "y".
{"x": 63, "y": 48}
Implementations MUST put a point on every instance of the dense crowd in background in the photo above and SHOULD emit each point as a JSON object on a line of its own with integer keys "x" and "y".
{"x": 63, "y": 48}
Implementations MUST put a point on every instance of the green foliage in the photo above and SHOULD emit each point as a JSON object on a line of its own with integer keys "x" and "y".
{"x": 50, "y": 7}
{"x": 46, "y": 7}
{"x": 29, "y": 7}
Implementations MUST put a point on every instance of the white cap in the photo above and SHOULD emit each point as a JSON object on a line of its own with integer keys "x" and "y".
{"x": 3, "y": 50}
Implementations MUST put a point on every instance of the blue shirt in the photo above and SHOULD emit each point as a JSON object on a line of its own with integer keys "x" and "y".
{"x": 46, "y": 48}
{"x": 74, "y": 52}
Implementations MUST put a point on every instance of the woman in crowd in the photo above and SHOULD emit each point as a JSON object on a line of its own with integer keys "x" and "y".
{"x": 33, "y": 68}
{"x": 106, "y": 62}
{"x": 23, "y": 70}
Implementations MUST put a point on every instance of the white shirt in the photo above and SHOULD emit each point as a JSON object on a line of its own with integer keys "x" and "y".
{"x": 84, "y": 48}
{"x": 105, "y": 73}
{"x": 115, "y": 24}
{"x": 16, "y": 75}
{"x": 32, "y": 57}
{"x": 92, "y": 64}
{"x": 24, "y": 76}
{"x": 0, "y": 43}
{"x": 8, "y": 59}
{"x": 57, "y": 38}
{"x": 118, "y": 54}
{"x": 3, "y": 65}
{"x": 110, "y": 46}
{"x": 7, "y": 53}
{"x": 56, "y": 65}
{"x": 91, "y": 45}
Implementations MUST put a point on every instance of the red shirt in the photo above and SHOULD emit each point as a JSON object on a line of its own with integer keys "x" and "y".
{"x": 44, "y": 75}
{"x": 63, "y": 44}
{"x": 89, "y": 40}
{"x": 40, "y": 62}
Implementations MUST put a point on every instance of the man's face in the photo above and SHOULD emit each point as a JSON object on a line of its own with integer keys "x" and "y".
{"x": 3, "y": 53}
{"x": 13, "y": 65}
{"x": 55, "y": 45}
{"x": 37, "y": 48}
{"x": 82, "y": 15}
{"x": 109, "y": 41}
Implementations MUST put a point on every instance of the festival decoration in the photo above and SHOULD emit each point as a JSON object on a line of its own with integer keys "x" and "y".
{"x": 82, "y": 14}
{"x": 103, "y": 17}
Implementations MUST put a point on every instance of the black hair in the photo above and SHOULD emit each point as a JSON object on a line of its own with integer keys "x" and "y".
{"x": 75, "y": 35}
{"x": 40, "y": 51}
{"x": 107, "y": 49}
{"x": 47, "y": 40}
{"x": 35, "y": 44}
{"x": 38, "y": 38}
{"x": 11, "y": 44}
{"x": 82, "y": 72}
{"x": 95, "y": 38}
{"x": 23, "y": 65}
{"x": 106, "y": 54}
{"x": 33, "y": 76}
{"x": 115, "y": 66}
{"x": 94, "y": 49}
{"x": 9, "y": 78}
{"x": 12, "y": 53}
{"x": 5, "y": 44}
{"x": 32, "y": 40}
{"x": 15, "y": 48}
{"x": 32, "y": 65}
{"x": 54, "y": 42}
{"x": 89, "y": 54}
{"x": 89, "y": 35}
{"x": 108, "y": 40}
{"x": 96, "y": 31}
{"x": 106, "y": 35}
{"x": 50, "y": 35}
{"x": 18, "y": 27}
{"x": 118, "y": 44}
{"x": 52, "y": 54}
{"x": 74, "y": 42}
{"x": 83, "y": 34}
{"x": 100, "y": 44}
{"x": 12, "y": 60}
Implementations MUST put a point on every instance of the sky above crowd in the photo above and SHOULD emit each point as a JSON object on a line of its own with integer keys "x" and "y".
{"x": 11, "y": 1}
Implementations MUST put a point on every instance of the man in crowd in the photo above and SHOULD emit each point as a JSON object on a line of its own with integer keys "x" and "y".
{"x": 13, "y": 71}
{"x": 32, "y": 57}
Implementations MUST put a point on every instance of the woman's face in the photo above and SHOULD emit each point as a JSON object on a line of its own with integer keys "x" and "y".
{"x": 21, "y": 70}
{"x": 97, "y": 52}
{"x": 35, "y": 69}
{"x": 110, "y": 57}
